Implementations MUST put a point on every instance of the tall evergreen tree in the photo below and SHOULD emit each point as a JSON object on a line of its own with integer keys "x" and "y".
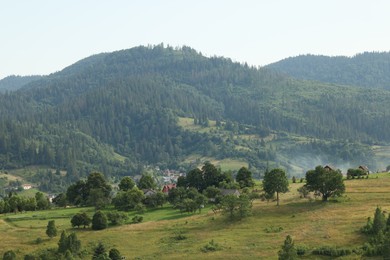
{"x": 51, "y": 230}
{"x": 288, "y": 251}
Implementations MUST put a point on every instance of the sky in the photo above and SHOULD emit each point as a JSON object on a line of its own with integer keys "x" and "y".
{"x": 44, "y": 36}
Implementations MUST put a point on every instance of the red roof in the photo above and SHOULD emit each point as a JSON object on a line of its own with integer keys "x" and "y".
{"x": 168, "y": 187}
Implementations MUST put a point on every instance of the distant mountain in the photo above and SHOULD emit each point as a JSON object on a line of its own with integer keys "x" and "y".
{"x": 369, "y": 69}
{"x": 12, "y": 83}
{"x": 118, "y": 111}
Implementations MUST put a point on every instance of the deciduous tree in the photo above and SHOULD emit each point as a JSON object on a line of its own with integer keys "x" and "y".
{"x": 328, "y": 183}
{"x": 275, "y": 181}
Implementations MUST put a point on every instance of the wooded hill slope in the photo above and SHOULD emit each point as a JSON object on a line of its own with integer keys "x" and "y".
{"x": 118, "y": 110}
{"x": 369, "y": 69}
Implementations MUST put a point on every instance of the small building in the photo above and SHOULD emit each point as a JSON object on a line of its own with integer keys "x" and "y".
{"x": 26, "y": 186}
{"x": 149, "y": 192}
{"x": 364, "y": 169}
{"x": 329, "y": 168}
{"x": 168, "y": 187}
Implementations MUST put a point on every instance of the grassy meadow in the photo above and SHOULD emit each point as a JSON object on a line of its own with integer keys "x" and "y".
{"x": 311, "y": 223}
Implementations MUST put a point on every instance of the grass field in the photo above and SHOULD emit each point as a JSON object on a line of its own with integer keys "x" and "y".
{"x": 310, "y": 223}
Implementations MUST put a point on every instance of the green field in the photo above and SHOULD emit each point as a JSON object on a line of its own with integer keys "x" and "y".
{"x": 311, "y": 223}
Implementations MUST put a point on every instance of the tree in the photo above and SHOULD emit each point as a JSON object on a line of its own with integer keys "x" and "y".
{"x": 9, "y": 255}
{"x": 244, "y": 178}
{"x": 194, "y": 178}
{"x": 116, "y": 217}
{"x": 69, "y": 243}
{"x": 42, "y": 201}
{"x": 80, "y": 219}
{"x": 99, "y": 252}
{"x": 288, "y": 251}
{"x": 236, "y": 207}
{"x": 127, "y": 200}
{"x": 60, "y": 200}
{"x": 114, "y": 254}
{"x": 146, "y": 182}
{"x": 126, "y": 184}
{"x": 328, "y": 183}
{"x": 99, "y": 221}
{"x": 379, "y": 223}
{"x": 63, "y": 243}
{"x": 386, "y": 246}
{"x": 97, "y": 190}
{"x": 275, "y": 181}
{"x": 51, "y": 230}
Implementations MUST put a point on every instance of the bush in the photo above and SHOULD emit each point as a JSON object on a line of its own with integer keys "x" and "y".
{"x": 301, "y": 250}
{"x": 211, "y": 247}
{"x": 330, "y": 251}
{"x": 273, "y": 229}
{"x": 179, "y": 235}
{"x": 117, "y": 218}
{"x": 137, "y": 219}
{"x": 9, "y": 255}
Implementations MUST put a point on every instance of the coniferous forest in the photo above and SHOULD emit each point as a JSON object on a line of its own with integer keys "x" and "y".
{"x": 115, "y": 112}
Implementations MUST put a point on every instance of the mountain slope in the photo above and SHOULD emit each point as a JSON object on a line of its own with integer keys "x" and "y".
{"x": 369, "y": 69}
{"x": 12, "y": 83}
{"x": 129, "y": 102}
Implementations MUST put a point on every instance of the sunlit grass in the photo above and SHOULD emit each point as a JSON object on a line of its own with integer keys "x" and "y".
{"x": 310, "y": 223}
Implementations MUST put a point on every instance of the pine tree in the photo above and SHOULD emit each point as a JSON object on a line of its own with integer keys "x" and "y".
{"x": 114, "y": 254}
{"x": 99, "y": 251}
{"x": 51, "y": 230}
{"x": 288, "y": 251}
{"x": 379, "y": 223}
{"x": 63, "y": 243}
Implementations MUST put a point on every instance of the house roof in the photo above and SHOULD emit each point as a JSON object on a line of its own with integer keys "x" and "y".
{"x": 363, "y": 167}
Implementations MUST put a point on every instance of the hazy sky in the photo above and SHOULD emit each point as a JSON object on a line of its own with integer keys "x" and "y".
{"x": 41, "y": 37}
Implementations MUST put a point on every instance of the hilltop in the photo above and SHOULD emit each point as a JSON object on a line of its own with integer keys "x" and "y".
{"x": 368, "y": 69}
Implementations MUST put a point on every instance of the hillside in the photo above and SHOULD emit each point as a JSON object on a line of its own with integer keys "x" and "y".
{"x": 115, "y": 112}
{"x": 369, "y": 69}
{"x": 311, "y": 223}
{"x": 12, "y": 83}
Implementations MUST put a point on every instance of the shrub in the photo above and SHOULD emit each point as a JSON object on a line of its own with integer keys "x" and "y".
{"x": 137, "y": 219}
{"x": 9, "y": 255}
{"x": 273, "y": 229}
{"x": 331, "y": 251}
{"x": 117, "y": 218}
{"x": 211, "y": 247}
{"x": 301, "y": 250}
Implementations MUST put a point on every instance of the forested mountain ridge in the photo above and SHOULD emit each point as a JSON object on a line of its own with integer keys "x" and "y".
{"x": 368, "y": 69}
{"x": 128, "y": 102}
{"x": 12, "y": 83}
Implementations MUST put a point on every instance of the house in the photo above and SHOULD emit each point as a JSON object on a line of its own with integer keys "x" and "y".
{"x": 329, "y": 168}
{"x": 149, "y": 192}
{"x": 168, "y": 187}
{"x": 26, "y": 186}
{"x": 364, "y": 169}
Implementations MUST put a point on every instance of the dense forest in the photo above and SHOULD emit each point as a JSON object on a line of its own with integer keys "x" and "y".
{"x": 369, "y": 69}
{"x": 12, "y": 83}
{"x": 115, "y": 112}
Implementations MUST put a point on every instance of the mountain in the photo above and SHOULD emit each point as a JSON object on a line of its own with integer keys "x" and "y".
{"x": 116, "y": 112}
{"x": 369, "y": 69}
{"x": 12, "y": 83}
